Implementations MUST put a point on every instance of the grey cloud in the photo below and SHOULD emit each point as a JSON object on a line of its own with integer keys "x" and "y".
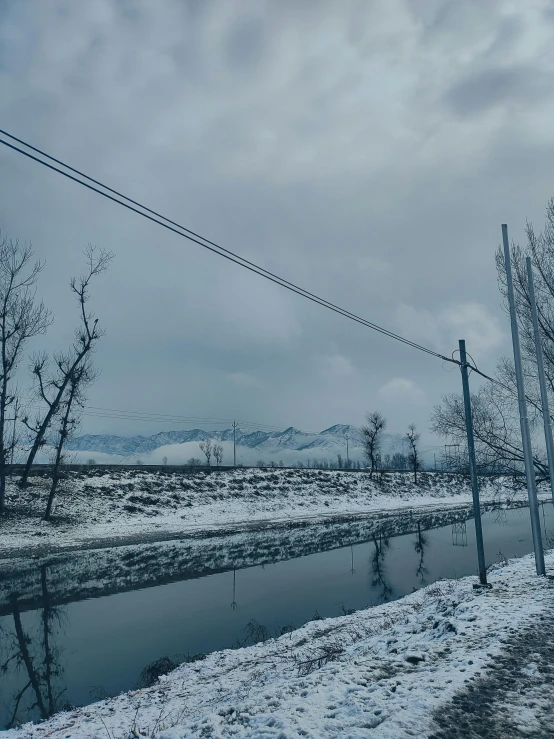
{"x": 311, "y": 150}
{"x": 245, "y": 43}
{"x": 487, "y": 88}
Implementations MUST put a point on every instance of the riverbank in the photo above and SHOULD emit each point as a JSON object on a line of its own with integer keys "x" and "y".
{"x": 68, "y": 576}
{"x": 392, "y": 671}
{"x": 99, "y": 508}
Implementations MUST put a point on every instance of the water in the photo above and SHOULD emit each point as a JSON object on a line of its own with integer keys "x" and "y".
{"x": 62, "y": 647}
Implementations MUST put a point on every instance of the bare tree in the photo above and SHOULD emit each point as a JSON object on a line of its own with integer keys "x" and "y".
{"x": 206, "y": 449}
{"x": 52, "y": 388}
{"x": 495, "y": 409}
{"x": 21, "y": 318}
{"x": 371, "y": 435}
{"x": 399, "y": 461}
{"x": 164, "y": 460}
{"x": 541, "y": 248}
{"x": 69, "y": 416}
{"x": 414, "y": 459}
{"x": 218, "y": 453}
{"x": 495, "y": 428}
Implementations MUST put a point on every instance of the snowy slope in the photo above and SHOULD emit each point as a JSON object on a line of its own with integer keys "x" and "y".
{"x": 124, "y": 505}
{"x": 382, "y": 672}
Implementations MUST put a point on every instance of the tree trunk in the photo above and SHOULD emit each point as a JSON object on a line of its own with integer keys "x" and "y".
{"x": 37, "y": 443}
{"x": 63, "y": 436}
{"x": 3, "y": 398}
{"x": 55, "y": 479}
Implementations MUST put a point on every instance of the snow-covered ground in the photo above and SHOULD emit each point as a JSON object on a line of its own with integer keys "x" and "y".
{"x": 390, "y": 671}
{"x": 97, "y": 507}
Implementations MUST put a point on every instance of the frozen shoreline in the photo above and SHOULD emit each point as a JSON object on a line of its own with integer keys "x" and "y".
{"x": 387, "y": 668}
{"x": 90, "y": 573}
{"x": 103, "y": 509}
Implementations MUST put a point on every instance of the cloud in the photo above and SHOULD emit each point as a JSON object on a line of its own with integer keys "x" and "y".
{"x": 374, "y": 265}
{"x": 401, "y": 391}
{"x": 365, "y": 151}
{"x": 442, "y": 330}
{"x": 337, "y": 366}
{"x": 485, "y": 89}
{"x": 245, "y": 380}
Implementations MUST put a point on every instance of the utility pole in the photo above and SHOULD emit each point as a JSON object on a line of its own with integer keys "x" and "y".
{"x": 16, "y": 411}
{"x": 234, "y": 443}
{"x": 524, "y": 421}
{"x": 347, "y": 457}
{"x": 542, "y": 381}
{"x": 472, "y": 465}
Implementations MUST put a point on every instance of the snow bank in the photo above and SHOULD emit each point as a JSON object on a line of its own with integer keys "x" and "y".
{"x": 97, "y": 508}
{"x": 385, "y": 668}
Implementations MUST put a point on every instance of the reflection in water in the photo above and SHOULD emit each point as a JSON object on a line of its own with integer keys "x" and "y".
{"x": 547, "y": 533}
{"x": 419, "y": 547}
{"x": 108, "y": 640}
{"x": 234, "y": 602}
{"x": 378, "y": 567}
{"x": 352, "y": 570}
{"x": 150, "y": 674}
{"x": 547, "y": 537}
{"x": 36, "y": 658}
{"x": 501, "y": 516}
{"x": 459, "y": 534}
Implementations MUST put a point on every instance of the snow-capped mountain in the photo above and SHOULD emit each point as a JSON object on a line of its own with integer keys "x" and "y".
{"x": 330, "y": 441}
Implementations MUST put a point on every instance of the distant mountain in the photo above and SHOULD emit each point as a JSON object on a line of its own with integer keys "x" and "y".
{"x": 329, "y": 441}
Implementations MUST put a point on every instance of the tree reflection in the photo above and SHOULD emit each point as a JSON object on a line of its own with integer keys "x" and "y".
{"x": 459, "y": 534}
{"x": 544, "y": 520}
{"x": 36, "y": 657}
{"x": 420, "y": 545}
{"x": 234, "y": 602}
{"x": 501, "y": 516}
{"x": 378, "y": 567}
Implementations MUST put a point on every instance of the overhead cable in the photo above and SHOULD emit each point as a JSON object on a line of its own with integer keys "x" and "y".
{"x": 206, "y": 243}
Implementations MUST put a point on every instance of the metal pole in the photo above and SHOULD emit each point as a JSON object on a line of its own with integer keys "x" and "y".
{"x": 524, "y": 421}
{"x": 234, "y": 444}
{"x": 473, "y": 466}
{"x": 16, "y": 411}
{"x": 13, "y": 434}
{"x": 542, "y": 382}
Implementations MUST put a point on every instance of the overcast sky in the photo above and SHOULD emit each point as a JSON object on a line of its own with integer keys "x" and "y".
{"x": 368, "y": 151}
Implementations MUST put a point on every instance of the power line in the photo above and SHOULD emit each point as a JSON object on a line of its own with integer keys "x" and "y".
{"x": 249, "y": 426}
{"x": 207, "y": 244}
{"x": 145, "y": 415}
{"x": 186, "y": 419}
